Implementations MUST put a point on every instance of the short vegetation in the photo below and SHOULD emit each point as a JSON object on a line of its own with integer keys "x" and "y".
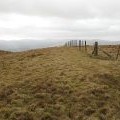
{"x": 58, "y": 84}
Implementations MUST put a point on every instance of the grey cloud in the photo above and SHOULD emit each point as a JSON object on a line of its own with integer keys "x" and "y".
{"x": 63, "y": 8}
{"x": 60, "y": 19}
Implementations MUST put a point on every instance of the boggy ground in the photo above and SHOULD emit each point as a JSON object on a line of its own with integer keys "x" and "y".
{"x": 58, "y": 84}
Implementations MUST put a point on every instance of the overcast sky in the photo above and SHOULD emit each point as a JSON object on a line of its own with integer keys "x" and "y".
{"x": 59, "y": 19}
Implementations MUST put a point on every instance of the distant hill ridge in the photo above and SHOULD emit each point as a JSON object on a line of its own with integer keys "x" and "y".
{"x": 26, "y": 44}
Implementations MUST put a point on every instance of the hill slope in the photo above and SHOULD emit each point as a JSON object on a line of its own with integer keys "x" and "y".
{"x": 58, "y": 84}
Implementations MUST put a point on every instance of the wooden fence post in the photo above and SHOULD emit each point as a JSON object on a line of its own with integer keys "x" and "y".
{"x": 118, "y": 53}
{"x": 82, "y": 44}
{"x": 95, "y": 52}
{"x": 85, "y": 46}
{"x": 96, "y": 49}
{"x": 72, "y": 43}
{"x": 76, "y": 43}
{"x": 79, "y": 45}
{"x": 68, "y": 43}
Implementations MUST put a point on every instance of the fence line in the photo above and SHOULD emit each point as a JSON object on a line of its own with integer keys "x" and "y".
{"x": 97, "y": 49}
{"x": 82, "y": 46}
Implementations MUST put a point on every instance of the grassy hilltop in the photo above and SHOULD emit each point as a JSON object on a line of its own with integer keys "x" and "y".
{"x": 58, "y": 84}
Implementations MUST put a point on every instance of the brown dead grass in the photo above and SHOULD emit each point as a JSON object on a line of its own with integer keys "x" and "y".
{"x": 58, "y": 84}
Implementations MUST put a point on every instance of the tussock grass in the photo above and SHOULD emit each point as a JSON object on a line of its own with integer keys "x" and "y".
{"x": 58, "y": 84}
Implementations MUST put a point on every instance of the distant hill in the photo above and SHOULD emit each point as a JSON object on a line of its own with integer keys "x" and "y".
{"x": 22, "y": 45}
